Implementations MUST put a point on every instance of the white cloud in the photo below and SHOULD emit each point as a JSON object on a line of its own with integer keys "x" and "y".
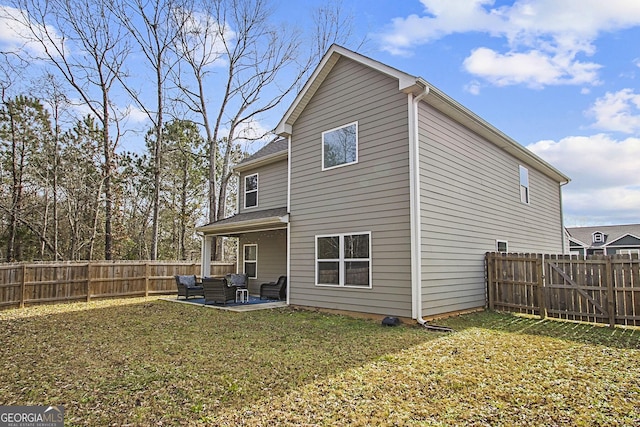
{"x": 136, "y": 115}
{"x": 605, "y": 184}
{"x": 473, "y": 87}
{"x": 204, "y": 40}
{"x": 618, "y": 112}
{"x": 252, "y": 131}
{"x": 17, "y": 33}
{"x": 549, "y": 35}
{"x": 443, "y": 17}
{"x": 533, "y": 68}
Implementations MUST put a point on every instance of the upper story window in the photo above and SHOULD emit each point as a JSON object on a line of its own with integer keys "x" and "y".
{"x": 251, "y": 191}
{"x": 598, "y": 237}
{"x": 340, "y": 146}
{"x": 524, "y": 185}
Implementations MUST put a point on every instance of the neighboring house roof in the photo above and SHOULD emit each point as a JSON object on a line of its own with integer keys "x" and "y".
{"x": 275, "y": 150}
{"x": 249, "y": 221}
{"x": 612, "y": 234}
{"x": 415, "y": 85}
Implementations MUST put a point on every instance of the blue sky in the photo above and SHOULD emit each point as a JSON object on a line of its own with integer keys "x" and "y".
{"x": 559, "y": 76}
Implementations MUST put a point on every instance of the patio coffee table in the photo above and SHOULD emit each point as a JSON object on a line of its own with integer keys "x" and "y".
{"x": 242, "y": 295}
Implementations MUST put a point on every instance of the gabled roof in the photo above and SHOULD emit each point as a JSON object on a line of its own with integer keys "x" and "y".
{"x": 612, "y": 233}
{"x": 273, "y": 151}
{"x": 406, "y": 83}
{"x": 416, "y": 85}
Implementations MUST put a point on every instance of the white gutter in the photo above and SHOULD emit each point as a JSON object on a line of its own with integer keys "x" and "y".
{"x": 414, "y": 196}
{"x": 270, "y": 223}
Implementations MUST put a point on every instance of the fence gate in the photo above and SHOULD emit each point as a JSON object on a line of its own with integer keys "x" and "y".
{"x": 599, "y": 289}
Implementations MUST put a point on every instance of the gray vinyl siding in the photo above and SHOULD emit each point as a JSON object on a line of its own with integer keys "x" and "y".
{"x": 272, "y": 256}
{"x": 272, "y": 186}
{"x": 470, "y": 196}
{"x": 370, "y": 196}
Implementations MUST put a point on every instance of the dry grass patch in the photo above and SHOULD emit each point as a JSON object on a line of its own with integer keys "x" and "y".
{"x": 150, "y": 362}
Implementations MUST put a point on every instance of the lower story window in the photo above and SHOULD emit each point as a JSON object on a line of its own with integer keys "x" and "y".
{"x": 344, "y": 260}
{"x": 628, "y": 252}
{"x": 251, "y": 260}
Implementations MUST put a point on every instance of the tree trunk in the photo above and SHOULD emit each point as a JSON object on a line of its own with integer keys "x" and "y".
{"x": 108, "y": 166}
{"x": 17, "y": 168}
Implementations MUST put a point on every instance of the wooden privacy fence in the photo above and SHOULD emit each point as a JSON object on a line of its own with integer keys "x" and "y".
{"x": 599, "y": 289}
{"x": 22, "y": 284}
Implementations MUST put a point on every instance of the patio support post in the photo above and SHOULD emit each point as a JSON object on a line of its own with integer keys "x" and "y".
{"x": 205, "y": 263}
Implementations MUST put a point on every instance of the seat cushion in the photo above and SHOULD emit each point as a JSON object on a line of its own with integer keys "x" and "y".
{"x": 237, "y": 280}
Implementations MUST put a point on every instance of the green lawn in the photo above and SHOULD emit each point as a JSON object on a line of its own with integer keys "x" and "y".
{"x": 153, "y": 362}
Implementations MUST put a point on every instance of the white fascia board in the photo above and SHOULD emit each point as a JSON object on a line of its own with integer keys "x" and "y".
{"x": 574, "y": 240}
{"x": 245, "y": 226}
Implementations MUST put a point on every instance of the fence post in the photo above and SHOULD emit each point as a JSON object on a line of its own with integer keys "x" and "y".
{"x": 489, "y": 267}
{"x": 542, "y": 295}
{"x": 22, "y": 285}
{"x": 88, "y": 281}
{"x": 611, "y": 298}
{"x": 146, "y": 279}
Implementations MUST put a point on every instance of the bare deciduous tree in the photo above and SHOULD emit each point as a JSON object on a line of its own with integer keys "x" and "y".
{"x": 155, "y": 29}
{"x": 87, "y": 47}
{"x": 259, "y": 64}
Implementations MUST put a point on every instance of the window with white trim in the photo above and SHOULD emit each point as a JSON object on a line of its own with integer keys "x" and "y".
{"x": 502, "y": 246}
{"x": 340, "y": 146}
{"x": 250, "y": 259}
{"x": 344, "y": 260}
{"x": 628, "y": 252}
{"x": 524, "y": 184}
{"x": 251, "y": 191}
{"x": 598, "y": 237}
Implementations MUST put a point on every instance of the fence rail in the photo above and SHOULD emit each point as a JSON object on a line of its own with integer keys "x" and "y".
{"x": 598, "y": 289}
{"x": 31, "y": 283}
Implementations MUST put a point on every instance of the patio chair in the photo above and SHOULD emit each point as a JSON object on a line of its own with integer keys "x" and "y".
{"x": 274, "y": 290}
{"x": 216, "y": 290}
{"x": 188, "y": 286}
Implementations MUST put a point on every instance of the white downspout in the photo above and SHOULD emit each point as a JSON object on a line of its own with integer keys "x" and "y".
{"x": 288, "y": 222}
{"x": 414, "y": 196}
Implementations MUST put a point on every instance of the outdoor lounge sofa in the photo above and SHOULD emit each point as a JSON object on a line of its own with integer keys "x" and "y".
{"x": 217, "y": 291}
{"x": 274, "y": 290}
{"x": 188, "y": 286}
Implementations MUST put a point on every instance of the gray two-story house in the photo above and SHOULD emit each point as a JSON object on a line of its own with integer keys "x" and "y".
{"x": 604, "y": 240}
{"x": 384, "y": 194}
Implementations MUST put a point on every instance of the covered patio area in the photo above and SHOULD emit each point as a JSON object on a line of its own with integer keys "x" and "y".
{"x": 262, "y": 245}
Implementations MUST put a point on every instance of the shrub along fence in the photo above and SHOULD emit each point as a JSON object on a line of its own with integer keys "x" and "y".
{"x": 24, "y": 283}
{"x": 598, "y": 289}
